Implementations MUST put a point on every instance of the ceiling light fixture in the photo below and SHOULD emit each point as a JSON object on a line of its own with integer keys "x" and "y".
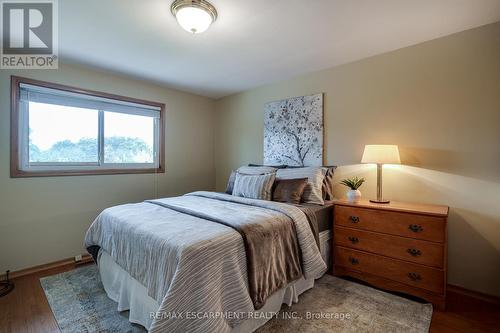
{"x": 194, "y": 16}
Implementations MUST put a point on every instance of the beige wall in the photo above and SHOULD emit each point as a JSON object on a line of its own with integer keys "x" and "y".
{"x": 439, "y": 101}
{"x": 45, "y": 219}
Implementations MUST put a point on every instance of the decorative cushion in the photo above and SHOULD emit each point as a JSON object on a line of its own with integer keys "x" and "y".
{"x": 327, "y": 188}
{"x": 230, "y": 182}
{"x": 315, "y": 176}
{"x": 248, "y": 170}
{"x": 256, "y": 170}
{"x": 289, "y": 190}
{"x": 254, "y": 186}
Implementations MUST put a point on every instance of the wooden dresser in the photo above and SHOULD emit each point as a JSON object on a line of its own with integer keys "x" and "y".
{"x": 398, "y": 247}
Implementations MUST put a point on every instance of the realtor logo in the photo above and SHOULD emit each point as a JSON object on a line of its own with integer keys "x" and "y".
{"x": 29, "y": 34}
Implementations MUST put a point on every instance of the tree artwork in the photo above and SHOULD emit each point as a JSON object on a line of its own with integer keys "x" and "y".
{"x": 293, "y": 131}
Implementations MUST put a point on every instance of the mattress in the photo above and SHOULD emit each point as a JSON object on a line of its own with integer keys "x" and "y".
{"x": 131, "y": 295}
{"x": 323, "y": 214}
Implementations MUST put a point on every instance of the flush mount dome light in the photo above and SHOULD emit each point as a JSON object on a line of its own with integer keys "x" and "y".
{"x": 194, "y": 16}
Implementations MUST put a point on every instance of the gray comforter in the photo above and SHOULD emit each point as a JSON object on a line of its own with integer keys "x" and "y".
{"x": 191, "y": 265}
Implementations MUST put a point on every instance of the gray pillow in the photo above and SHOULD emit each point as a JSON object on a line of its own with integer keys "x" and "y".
{"x": 248, "y": 170}
{"x": 254, "y": 186}
{"x": 256, "y": 170}
{"x": 230, "y": 182}
{"x": 328, "y": 183}
{"x": 313, "y": 193}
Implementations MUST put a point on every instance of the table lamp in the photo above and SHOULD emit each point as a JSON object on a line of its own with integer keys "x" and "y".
{"x": 380, "y": 155}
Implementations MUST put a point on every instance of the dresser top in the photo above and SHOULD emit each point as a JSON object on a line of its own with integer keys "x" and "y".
{"x": 397, "y": 206}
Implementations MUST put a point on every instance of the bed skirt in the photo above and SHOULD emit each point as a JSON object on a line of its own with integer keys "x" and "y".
{"x": 132, "y": 295}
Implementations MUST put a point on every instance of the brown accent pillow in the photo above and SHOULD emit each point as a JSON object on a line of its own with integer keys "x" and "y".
{"x": 289, "y": 190}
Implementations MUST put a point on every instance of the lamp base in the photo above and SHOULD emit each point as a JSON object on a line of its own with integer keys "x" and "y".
{"x": 380, "y": 201}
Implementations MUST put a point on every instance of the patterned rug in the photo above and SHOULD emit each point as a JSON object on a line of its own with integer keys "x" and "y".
{"x": 80, "y": 304}
{"x": 338, "y": 305}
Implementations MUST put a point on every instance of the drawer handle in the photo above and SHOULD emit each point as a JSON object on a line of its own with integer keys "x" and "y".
{"x": 414, "y": 276}
{"x": 354, "y": 219}
{"x": 353, "y": 261}
{"x": 415, "y": 228}
{"x": 414, "y": 252}
{"x": 353, "y": 240}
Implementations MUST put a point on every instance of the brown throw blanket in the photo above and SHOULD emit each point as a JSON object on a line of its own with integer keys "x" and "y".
{"x": 313, "y": 221}
{"x": 272, "y": 251}
{"x": 273, "y": 257}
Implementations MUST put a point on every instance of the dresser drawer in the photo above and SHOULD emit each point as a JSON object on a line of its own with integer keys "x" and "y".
{"x": 419, "y": 276}
{"x": 414, "y": 250}
{"x": 425, "y": 227}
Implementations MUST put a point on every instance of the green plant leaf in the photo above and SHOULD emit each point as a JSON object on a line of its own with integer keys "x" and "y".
{"x": 353, "y": 183}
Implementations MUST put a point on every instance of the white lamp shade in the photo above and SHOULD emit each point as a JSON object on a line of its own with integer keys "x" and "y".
{"x": 194, "y": 20}
{"x": 381, "y": 154}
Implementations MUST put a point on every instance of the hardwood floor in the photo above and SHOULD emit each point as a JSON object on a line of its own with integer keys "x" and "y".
{"x": 26, "y": 309}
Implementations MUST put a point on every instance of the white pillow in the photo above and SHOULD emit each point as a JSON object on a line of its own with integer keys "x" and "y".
{"x": 254, "y": 186}
{"x": 256, "y": 170}
{"x": 315, "y": 176}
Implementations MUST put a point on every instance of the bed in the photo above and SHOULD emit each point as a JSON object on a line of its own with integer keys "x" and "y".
{"x": 207, "y": 261}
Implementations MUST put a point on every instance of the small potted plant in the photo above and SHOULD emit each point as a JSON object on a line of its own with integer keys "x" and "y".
{"x": 353, "y": 195}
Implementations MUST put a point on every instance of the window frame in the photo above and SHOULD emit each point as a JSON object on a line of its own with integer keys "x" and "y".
{"x": 66, "y": 169}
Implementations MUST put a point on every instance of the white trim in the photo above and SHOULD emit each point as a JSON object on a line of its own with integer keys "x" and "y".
{"x": 60, "y": 92}
{"x": 46, "y": 95}
{"x": 100, "y": 138}
{"x": 87, "y": 166}
{"x": 23, "y": 134}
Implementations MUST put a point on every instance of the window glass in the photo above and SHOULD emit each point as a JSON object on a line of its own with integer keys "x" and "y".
{"x": 128, "y": 138}
{"x": 62, "y": 134}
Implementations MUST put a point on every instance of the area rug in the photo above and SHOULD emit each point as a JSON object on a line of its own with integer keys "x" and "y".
{"x": 338, "y": 305}
{"x": 80, "y": 304}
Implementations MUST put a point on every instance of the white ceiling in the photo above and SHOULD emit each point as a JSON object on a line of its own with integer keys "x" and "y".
{"x": 253, "y": 42}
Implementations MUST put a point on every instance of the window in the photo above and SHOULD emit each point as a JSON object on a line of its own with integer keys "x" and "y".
{"x": 58, "y": 130}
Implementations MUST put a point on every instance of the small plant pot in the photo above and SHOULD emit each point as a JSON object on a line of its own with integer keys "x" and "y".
{"x": 353, "y": 195}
